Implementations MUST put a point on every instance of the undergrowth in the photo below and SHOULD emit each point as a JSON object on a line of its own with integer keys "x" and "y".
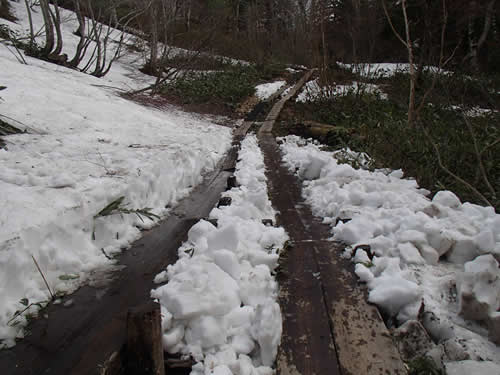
{"x": 367, "y": 122}
{"x": 229, "y": 86}
{"x": 450, "y": 89}
{"x": 424, "y": 366}
{"x": 200, "y": 61}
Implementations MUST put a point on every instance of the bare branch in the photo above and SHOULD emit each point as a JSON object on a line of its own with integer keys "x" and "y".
{"x": 389, "y": 19}
{"x": 450, "y": 173}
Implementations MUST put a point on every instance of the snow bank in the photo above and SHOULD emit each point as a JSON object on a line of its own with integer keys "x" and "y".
{"x": 313, "y": 91}
{"x": 219, "y": 304}
{"x": 85, "y": 148}
{"x": 407, "y": 247}
{"x": 266, "y": 90}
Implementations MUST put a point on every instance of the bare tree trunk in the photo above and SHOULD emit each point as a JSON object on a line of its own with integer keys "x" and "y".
{"x": 113, "y": 14}
{"x": 408, "y": 43}
{"x": 188, "y": 15}
{"x": 413, "y": 73}
{"x": 30, "y": 20}
{"x": 56, "y": 18}
{"x": 237, "y": 16}
{"x": 153, "y": 41}
{"x": 4, "y": 7}
{"x": 355, "y": 28}
{"x": 49, "y": 27}
{"x": 475, "y": 46}
{"x": 82, "y": 33}
{"x": 323, "y": 39}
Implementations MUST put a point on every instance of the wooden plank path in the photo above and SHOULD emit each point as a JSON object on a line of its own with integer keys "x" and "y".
{"x": 328, "y": 326}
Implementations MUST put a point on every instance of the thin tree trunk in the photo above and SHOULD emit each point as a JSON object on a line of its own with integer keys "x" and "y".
{"x": 49, "y": 27}
{"x": 56, "y": 17}
{"x": 413, "y": 73}
{"x": 81, "y": 31}
{"x": 323, "y": 39}
{"x": 188, "y": 15}
{"x": 475, "y": 46}
{"x": 237, "y": 16}
{"x": 153, "y": 41}
{"x": 30, "y": 19}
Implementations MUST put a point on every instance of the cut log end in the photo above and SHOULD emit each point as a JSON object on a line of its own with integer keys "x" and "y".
{"x": 144, "y": 351}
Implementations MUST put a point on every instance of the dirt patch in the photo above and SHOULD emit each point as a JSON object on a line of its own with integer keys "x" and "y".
{"x": 222, "y": 115}
{"x": 247, "y": 106}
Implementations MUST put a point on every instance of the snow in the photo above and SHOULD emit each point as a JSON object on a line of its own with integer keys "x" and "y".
{"x": 219, "y": 304}
{"x": 385, "y": 70}
{"x": 469, "y": 367}
{"x": 478, "y": 288}
{"x": 473, "y": 111}
{"x": 313, "y": 91}
{"x": 423, "y": 249}
{"x": 85, "y": 148}
{"x": 266, "y": 90}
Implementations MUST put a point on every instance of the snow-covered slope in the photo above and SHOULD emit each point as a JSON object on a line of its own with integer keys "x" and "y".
{"x": 410, "y": 249}
{"x": 85, "y": 147}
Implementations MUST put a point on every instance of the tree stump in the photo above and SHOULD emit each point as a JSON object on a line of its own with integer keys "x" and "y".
{"x": 231, "y": 182}
{"x": 144, "y": 353}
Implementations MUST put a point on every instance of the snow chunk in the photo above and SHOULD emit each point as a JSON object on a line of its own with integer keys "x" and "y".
{"x": 198, "y": 287}
{"x": 392, "y": 293}
{"x": 447, "y": 199}
{"x": 479, "y": 288}
{"x": 266, "y": 330}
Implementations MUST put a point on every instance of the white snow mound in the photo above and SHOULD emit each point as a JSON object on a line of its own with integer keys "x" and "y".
{"x": 414, "y": 249}
{"x": 220, "y": 299}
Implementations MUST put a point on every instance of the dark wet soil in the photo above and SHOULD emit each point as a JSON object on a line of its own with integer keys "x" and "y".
{"x": 171, "y": 101}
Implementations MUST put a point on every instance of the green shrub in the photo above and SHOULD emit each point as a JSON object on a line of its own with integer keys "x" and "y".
{"x": 379, "y": 127}
{"x": 424, "y": 366}
{"x": 200, "y": 61}
{"x": 230, "y": 86}
{"x": 450, "y": 89}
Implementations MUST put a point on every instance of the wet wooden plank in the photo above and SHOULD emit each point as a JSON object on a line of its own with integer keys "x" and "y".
{"x": 318, "y": 283}
{"x": 364, "y": 344}
{"x": 307, "y": 345}
{"x": 267, "y": 127}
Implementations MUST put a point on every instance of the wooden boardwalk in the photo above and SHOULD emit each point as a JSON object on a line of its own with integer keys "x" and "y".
{"x": 328, "y": 325}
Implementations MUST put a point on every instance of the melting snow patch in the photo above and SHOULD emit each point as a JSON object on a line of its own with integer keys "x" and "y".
{"x": 384, "y": 70}
{"x": 219, "y": 304}
{"x": 410, "y": 248}
{"x": 266, "y": 90}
